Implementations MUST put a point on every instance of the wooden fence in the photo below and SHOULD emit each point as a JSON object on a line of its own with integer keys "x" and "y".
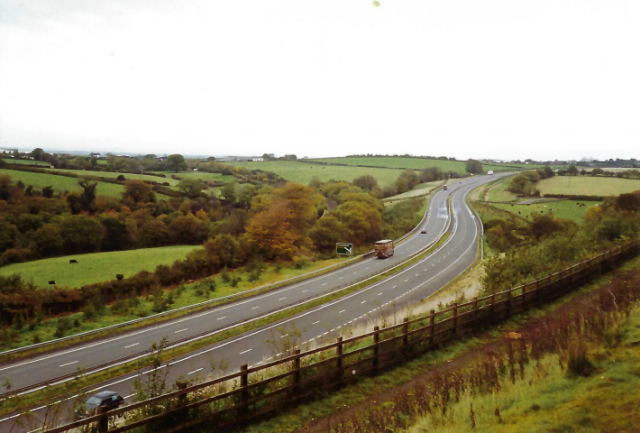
{"x": 257, "y": 391}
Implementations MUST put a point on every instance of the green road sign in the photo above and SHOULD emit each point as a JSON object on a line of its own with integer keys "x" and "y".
{"x": 344, "y": 249}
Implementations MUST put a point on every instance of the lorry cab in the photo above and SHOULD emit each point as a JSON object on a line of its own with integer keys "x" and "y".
{"x": 384, "y": 249}
{"x": 445, "y": 187}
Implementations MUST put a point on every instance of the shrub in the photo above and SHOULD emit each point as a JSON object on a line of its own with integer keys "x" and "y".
{"x": 578, "y": 363}
{"x": 63, "y": 325}
{"x": 300, "y": 262}
{"x": 225, "y": 276}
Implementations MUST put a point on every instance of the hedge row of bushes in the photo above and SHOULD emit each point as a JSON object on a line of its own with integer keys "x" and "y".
{"x": 576, "y": 197}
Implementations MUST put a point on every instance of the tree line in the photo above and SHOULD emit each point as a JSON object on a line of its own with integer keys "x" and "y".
{"x": 286, "y": 222}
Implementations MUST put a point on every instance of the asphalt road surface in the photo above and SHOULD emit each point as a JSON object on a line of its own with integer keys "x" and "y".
{"x": 320, "y": 325}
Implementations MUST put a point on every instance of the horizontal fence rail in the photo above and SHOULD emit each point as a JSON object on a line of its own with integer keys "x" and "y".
{"x": 256, "y": 391}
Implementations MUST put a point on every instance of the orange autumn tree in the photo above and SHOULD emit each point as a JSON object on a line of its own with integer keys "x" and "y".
{"x": 282, "y": 218}
{"x": 270, "y": 231}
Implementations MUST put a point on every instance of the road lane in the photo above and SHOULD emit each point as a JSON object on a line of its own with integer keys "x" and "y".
{"x": 326, "y": 322}
{"x": 28, "y": 372}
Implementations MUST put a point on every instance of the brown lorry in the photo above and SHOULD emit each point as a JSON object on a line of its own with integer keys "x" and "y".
{"x": 384, "y": 249}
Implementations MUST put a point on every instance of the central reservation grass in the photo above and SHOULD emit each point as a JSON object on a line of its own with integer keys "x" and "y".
{"x": 302, "y": 172}
{"x": 60, "y": 183}
{"x": 96, "y": 267}
{"x": 586, "y": 185}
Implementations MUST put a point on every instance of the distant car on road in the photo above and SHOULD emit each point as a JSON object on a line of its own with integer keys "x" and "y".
{"x": 423, "y": 232}
{"x": 110, "y": 399}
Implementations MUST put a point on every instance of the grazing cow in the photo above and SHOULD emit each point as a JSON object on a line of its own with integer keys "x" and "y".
{"x": 73, "y": 261}
{"x": 52, "y": 283}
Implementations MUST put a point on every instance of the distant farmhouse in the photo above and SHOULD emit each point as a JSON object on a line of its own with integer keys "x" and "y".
{"x": 161, "y": 158}
{"x": 95, "y": 155}
{"x": 241, "y": 159}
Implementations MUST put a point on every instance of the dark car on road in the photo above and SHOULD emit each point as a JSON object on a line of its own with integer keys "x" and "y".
{"x": 110, "y": 399}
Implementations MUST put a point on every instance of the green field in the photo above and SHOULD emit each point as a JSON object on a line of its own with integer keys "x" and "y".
{"x": 218, "y": 177}
{"x": 29, "y": 162}
{"x": 96, "y": 267}
{"x": 498, "y": 191}
{"x": 413, "y": 163}
{"x": 301, "y": 172}
{"x": 568, "y": 209}
{"x": 60, "y": 183}
{"x": 114, "y": 175}
{"x": 583, "y": 185}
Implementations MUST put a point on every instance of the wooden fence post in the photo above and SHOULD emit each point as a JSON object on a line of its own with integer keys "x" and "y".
{"x": 475, "y": 312}
{"x": 405, "y": 332}
{"x": 432, "y": 326}
{"x": 103, "y": 421}
{"x": 493, "y": 307}
{"x": 455, "y": 318}
{"x": 339, "y": 360}
{"x": 296, "y": 374}
{"x": 509, "y": 303}
{"x": 376, "y": 349}
{"x": 244, "y": 383}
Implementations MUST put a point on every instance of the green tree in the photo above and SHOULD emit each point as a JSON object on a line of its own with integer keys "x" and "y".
{"x": 8, "y": 234}
{"x": 473, "y": 166}
{"x": 228, "y": 193}
{"x": 48, "y": 240}
{"x": 366, "y": 182}
{"x": 37, "y": 154}
{"x": 572, "y": 170}
{"x": 175, "y": 163}
{"x": 88, "y": 196}
{"x": 153, "y": 233}
{"x": 407, "y": 180}
{"x": 190, "y": 187}
{"x": 138, "y": 191}
{"x": 223, "y": 250}
{"x": 116, "y": 234}
{"x": 327, "y": 231}
{"x": 81, "y": 234}
{"x": 188, "y": 230}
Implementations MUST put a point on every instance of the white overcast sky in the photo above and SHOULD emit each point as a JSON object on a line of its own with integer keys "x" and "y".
{"x": 467, "y": 78}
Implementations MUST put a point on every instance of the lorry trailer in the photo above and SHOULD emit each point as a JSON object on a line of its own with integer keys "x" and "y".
{"x": 384, "y": 249}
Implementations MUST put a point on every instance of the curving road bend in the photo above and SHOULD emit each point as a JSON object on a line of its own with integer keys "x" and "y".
{"x": 320, "y": 325}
